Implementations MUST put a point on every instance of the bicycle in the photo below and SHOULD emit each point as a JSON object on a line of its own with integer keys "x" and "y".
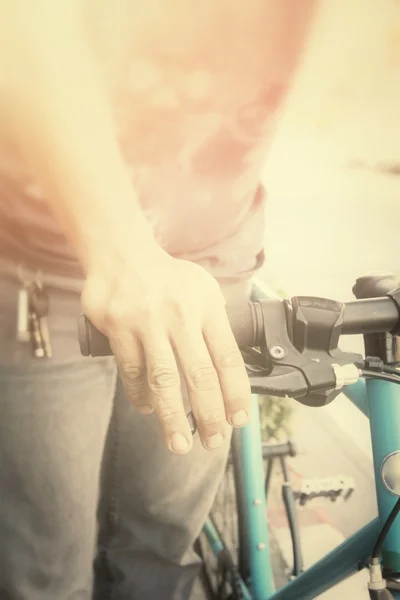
{"x": 292, "y": 346}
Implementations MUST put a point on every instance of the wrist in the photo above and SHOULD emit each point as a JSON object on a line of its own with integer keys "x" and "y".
{"x": 114, "y": 251}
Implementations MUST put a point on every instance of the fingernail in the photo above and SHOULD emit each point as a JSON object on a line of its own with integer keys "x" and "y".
{"x": 215, "y": 441}
{"x": 179, "y": 443}
{"x": 240, "y": 418}
{"x": 146, "y": 409}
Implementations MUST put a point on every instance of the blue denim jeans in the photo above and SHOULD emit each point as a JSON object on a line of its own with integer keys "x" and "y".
{"x": 93, "y": 505}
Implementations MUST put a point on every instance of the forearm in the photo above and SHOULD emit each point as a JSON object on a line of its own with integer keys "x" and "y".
{"x": 64, "y": 124}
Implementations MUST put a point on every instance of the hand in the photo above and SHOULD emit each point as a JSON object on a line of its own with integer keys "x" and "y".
{"x": 160, "y": 312}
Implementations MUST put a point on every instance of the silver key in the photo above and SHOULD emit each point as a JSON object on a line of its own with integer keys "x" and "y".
{"x": 44, "y": 330}
{"x": 23, "y": 333}
{"x": 36, "y": 336}
{"x": 39, "y": 308}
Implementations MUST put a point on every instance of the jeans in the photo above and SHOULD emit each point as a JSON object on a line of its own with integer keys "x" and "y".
{"x": 93, "y": 505}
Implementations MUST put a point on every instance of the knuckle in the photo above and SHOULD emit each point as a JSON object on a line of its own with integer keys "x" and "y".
{"x": 168, "y": 408}
{"x": 203, "y": 377}
{"x": 167, "y": 412}
{"x": 180, "y": 310}
{"x": 134, "y": 378}
{"x": 212, "y": 416}
{"x": 147, "y": 313}
{"x": 163, "y": 377}
{"x": 121, "y": 314}
{"x": 229, "y": 358}
{"x": 178, "y": 315}
{"x": 236, "y": 402}
{"x": 116, "y": 316}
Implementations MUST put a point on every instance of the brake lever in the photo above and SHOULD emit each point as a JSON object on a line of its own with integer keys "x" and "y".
{"x": 299, "y": 352}
{"x": 304, "y": 368}
{"x": 284, "y": 381}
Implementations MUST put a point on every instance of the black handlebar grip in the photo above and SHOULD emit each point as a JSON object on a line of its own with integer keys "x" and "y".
{"x": 246, "y": 322}
{"x": 91, "y": 340}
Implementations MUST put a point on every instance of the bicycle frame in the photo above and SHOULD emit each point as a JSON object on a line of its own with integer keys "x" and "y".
{"x": 381, "y": 400}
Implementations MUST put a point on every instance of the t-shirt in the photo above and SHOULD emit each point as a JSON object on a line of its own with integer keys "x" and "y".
{"x": 195, "y": 110}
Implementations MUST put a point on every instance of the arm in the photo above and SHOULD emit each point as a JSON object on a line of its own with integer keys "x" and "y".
{"x": 62, "y": 120}
{"x": 157, "y": 311}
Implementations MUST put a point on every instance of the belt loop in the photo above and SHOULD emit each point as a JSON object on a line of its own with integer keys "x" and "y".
{"x": 20, "y": 272}
{"x": 26, "y": 275}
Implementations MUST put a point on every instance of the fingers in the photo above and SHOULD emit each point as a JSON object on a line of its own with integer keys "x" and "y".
{"x": 203, "y": 387}
{"x": 216, "y": 379}
{"x": 229, "y": 365}
{"x": 151, "y": 380}
{"x": 156, "y": 317}
{"x": 211, "y": 363}
{"x": 129, "y": 354}
{"x": 215, "y": 376}
{"x": 165, "y": 387}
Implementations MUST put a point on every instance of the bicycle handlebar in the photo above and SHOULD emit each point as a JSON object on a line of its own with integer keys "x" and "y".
{"x": 298, "y": 338}
{"x": 246, "y": 323}
{"x": 373, "y": 315}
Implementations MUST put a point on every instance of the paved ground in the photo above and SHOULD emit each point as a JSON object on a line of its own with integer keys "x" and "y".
{"x": 326, "y": 449}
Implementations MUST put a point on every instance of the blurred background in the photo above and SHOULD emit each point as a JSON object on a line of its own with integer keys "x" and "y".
{"x": 331, "y": 214}
{"x": 333, "y": 178}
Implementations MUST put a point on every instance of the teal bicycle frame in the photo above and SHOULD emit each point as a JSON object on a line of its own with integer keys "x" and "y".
{"x": 380, "y": 402}
{"x": 379, "y": 399}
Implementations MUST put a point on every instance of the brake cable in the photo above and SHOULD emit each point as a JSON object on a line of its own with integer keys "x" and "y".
{"x": 374, "y": 368}
{"x": 383, "y": 376}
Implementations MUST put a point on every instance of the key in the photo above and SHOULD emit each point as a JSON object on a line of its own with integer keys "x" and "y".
{"x": 44, "y": 329}
{"x": 23, "y": 333}
{"x": 36, "y": 336}
{"x": 39, "y": 307}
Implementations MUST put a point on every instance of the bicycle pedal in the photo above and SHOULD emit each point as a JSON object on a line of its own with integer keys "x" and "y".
{"x": 338, "y": 488}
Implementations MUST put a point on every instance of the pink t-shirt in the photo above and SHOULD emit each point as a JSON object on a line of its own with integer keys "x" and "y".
{"x": 195, "y": 114}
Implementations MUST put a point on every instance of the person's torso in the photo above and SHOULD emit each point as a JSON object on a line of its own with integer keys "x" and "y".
{"x": 195, "y": 88}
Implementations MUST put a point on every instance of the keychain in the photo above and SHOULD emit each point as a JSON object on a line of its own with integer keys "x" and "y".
{"x": 38, "y": 302}
{"x": 32, "y": 311}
